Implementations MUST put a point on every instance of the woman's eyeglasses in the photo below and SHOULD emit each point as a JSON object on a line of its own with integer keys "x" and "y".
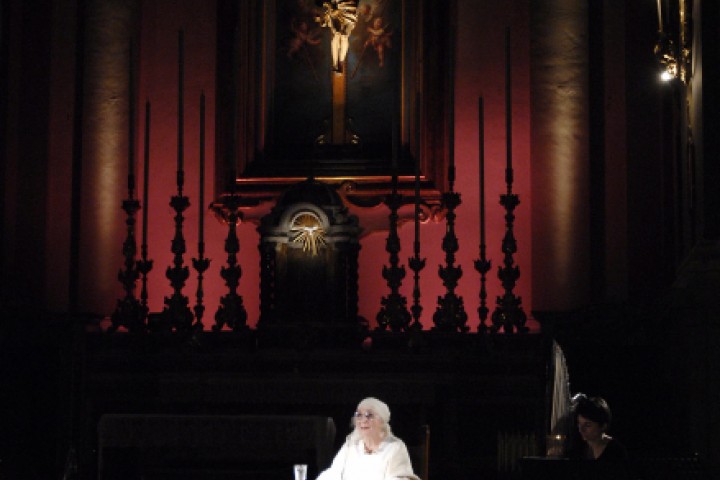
{"x": 366, "y": 415}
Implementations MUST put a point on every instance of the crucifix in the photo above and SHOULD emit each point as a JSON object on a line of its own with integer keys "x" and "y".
{"x": 340, "y": 16}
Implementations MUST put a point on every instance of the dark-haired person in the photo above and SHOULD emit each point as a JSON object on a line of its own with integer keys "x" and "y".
{"x": 610, "y": 458}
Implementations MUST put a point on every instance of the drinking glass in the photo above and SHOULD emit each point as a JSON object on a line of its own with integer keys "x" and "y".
{"x": 300, "y": 471}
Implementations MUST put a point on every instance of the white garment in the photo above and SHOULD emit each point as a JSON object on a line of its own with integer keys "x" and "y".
{"x": 390, "y": 461}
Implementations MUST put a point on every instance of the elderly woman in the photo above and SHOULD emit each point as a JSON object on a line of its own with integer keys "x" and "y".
{"x": 371, "y": 452}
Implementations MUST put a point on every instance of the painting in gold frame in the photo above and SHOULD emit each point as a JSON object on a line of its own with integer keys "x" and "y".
{"x": 279, "y": 94}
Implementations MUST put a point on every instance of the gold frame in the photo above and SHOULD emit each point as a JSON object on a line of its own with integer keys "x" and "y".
{"x": 243, "y": 102}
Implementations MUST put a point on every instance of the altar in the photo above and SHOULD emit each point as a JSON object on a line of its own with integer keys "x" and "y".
{"x": 163, "y": 446}
{"x": 230, "y": 405}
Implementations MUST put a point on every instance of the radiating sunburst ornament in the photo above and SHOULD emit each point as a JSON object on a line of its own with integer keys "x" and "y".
{"x": 306, "y": 229}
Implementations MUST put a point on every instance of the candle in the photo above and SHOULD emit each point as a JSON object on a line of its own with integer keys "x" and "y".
{"x": 180, "y": 101}
{"x": 417, "y": 170}
{"x": 202, "y": 166}
{"x": 481, "y": 154}
{"x": 451, "y": 129}
{"x": 131, "y": 123}
{"x": 394, "y": 137}
{"x": 146, "y": 165}
{"x": 508, "y": 102}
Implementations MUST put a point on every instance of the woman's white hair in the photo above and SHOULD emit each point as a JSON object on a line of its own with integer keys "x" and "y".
{"x": 381, "y": 411}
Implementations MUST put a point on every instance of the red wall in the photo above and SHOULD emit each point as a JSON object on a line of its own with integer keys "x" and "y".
{"x": 480, "y": 71}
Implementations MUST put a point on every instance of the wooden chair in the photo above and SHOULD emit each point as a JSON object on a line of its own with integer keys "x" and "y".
{"x": 419, "y": 450}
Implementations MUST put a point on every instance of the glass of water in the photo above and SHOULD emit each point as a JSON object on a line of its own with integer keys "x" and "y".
{"x": 300, "y": 471}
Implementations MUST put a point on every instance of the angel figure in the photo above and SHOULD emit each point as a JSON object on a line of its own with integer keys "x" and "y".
{"x": 378, "y": 38}
{"x": 303, "y": 36}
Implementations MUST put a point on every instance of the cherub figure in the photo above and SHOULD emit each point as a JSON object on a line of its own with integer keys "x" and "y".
{"x": 303, "y": 36}
{"x": 365, "y": 13}
{"x": 378, "y": 38}
{"x": 340, "y": 16}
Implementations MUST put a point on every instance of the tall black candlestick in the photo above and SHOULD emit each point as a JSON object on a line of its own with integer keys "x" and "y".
{"x": 201, "y": 202}
{"x": 415, "y": 262}
{"x": 144, "y": 265}
{"x": 509, "y": 314}
{"x": 201, "y": 263}
{"x": 482, "y": 264}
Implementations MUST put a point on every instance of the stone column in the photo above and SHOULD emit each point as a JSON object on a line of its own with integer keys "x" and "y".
{"x": 110, "y": 25}
{"x": 560, "y": 154}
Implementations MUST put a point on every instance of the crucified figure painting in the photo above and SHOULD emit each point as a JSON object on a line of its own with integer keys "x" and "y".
{"x": 335, "y": 77}
{"x": 340, "y": 16}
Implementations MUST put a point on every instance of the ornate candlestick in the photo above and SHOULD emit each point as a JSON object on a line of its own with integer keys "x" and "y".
{"x": 177, "y": 313}
{"x": 482, "y": 264}
{"x": 450, "y": 314}
{"x": 509, "y": 314}
{"x": 393, "y": 314}
{"x": 144, "y": 265}
{"x": 129, "y": 312}
{"x": 415, "y": 262}
{"x": 231, "y": 311}
{"x": 201, "y": 263}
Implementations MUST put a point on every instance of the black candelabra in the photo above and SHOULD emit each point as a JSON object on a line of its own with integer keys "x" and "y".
{"x": 231, "y": 311}
{"x": 201, "y": 263}
{"x": 416, "y": 263}
{"x": 130, "y": 312}
{"x": 450, "y": 314}
{"x": 482, "y": 264}
{"x": 508, "y": 314}
{"x": 393, "y": 314}
{"x": 177, "y": 314}
{"x": 144, "y": 265}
